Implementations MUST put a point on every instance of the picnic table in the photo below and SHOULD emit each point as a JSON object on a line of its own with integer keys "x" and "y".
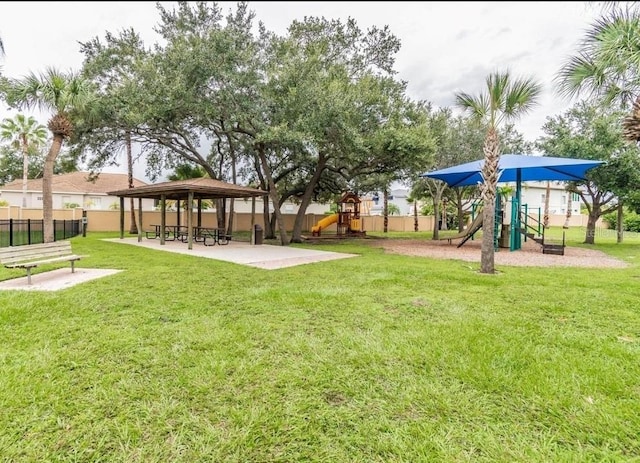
{"x": 209, "y": 236}
{"x": 171, "y": 232}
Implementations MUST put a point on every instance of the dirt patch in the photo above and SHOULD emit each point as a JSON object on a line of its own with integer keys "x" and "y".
{"x": 529, "y": 256}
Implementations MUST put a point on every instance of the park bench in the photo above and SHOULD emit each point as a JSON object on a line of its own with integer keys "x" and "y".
{"x": 32, "y": 255}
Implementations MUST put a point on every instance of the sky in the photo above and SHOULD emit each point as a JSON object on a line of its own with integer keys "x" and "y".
{"x": 446, "y": 47}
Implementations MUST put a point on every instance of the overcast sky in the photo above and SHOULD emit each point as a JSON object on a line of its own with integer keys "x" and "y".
{"x": 447, "y": 47}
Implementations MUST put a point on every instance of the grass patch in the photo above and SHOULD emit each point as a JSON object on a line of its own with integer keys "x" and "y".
{"x": 379, "y": 358}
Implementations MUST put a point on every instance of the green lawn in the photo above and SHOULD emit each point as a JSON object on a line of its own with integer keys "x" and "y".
{"x": 378, "y": 358}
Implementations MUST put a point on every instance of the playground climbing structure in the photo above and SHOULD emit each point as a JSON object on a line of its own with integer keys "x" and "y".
{"x": 347, "y": 219}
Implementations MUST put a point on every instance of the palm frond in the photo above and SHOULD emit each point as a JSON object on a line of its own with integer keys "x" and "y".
{"x": 608, "y": 61}
{"x": 477, "y": 106}
{"x": 521, "y": 97}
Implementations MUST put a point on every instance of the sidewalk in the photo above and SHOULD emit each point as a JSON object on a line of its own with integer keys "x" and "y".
{"x": 262, "y": 256}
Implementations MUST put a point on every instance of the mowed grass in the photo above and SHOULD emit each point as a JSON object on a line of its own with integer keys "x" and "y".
{"x": 377, "y": 358}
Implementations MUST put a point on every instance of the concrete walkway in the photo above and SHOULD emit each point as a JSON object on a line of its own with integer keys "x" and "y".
{"x": 263, "y": 256}
{"x": 54, "y": 280}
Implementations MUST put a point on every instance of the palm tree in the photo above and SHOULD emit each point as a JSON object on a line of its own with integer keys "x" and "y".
{"x": 607, "y": 65}
{"x": 503, "y": 100}
{"x": 67, "y": 95}
{"x": 413, "y": 199}
{"x": 567, "y": 219}
{"x": 133, "y": 227}
{"x": 547, "y": 198}
{"x": 24, "y": 133}
{"x": 186, "y": 172}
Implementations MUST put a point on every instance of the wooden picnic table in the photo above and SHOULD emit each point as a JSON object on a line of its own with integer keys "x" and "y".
{"x": 209, "y": 236}
{"x": 171, "y": 232}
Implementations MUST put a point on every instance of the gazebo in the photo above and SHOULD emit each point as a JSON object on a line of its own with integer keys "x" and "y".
{"x": 179, "y": 190}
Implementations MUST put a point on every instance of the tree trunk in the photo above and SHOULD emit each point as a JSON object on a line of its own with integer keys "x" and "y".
{"x": 25, "y": 169}
{"x": 591, "y": 226}
{"x": 221, "y": 212}
{"x": 269, "y": 228}
{"x": 415, "y": 215}
{"x": 491, "y": 150}
{"x": 444, "y": 215}
{"x": 545, "y": 218}
{"x": 436, "y": 215}
{"x": 47, "y": 196}
{"x": 273, "y": 194}
{"x": 306, "y": 198}
{"x": 460, "y": 211}
{"x": 234, "y": 179}
{"x": 620, "y": 223}
{"x": 385, "y": 210}
{"x": 569, "y": 207}
{"x": 230, "y": 217}
{"x": 133, "y": 228}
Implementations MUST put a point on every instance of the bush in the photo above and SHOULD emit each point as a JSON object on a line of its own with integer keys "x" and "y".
{"x": 610, "y": 219}
{"x": 630, "y": 221}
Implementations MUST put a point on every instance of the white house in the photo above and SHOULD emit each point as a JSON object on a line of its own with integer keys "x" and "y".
{"x": 533, "y": 194}
{"x": 74, "y": 189}
{"x": 244, "y": 205}
{"x": 374, "y": 204}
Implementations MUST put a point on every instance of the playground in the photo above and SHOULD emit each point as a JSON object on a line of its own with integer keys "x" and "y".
{"x": 529, "y": 255}
{"x": 347, "y": 219}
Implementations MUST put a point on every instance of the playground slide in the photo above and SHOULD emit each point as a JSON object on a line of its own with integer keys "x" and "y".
{"x": 468, "y": 232}
{"x": 324, "y": 223}
{"x": 473, "y": 228}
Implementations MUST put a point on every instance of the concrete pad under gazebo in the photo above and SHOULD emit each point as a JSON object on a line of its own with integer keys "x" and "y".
{"x": 189, "y": 190}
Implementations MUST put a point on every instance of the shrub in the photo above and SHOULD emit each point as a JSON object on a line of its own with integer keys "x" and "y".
{"x": 630, "y": 221}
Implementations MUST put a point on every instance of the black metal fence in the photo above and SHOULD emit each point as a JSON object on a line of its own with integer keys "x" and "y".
{"x": 18, "y": 232}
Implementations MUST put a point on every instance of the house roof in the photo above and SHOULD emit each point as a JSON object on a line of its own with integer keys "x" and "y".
{"x": 77, "y": 182}
{"x": 202, "y": 188}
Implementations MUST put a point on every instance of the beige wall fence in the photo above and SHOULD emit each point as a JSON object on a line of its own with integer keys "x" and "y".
{"x": 110, "y": 220}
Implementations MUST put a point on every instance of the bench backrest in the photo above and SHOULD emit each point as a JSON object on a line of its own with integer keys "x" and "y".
{"x": 14, "y": 254}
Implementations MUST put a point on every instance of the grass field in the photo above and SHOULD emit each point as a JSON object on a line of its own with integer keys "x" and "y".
{"x": 378, "y": 358}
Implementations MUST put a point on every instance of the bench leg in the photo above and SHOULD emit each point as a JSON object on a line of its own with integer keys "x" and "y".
{"x": 28, "y": 275}
{"x": 73, "y": 268}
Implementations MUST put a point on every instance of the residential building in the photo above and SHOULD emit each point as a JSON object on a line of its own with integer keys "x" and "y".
{"x": 374, "y": 204}
{"x": 74, "y": 189}
{"x": 533, "y": 194}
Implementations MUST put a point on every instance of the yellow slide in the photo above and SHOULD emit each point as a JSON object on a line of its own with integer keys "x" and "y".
{"x": 323, "y": 223}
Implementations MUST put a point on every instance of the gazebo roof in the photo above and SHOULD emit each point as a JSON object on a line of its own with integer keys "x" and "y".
{"x": 202, "y": 188}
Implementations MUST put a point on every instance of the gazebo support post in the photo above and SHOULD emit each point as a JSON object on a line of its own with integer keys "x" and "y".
{"x": 139, "y": 219}
{"x": 163, "y": 217}
{"x": 253, "y": 220}
{"x": 121, "y": 217}
{"x": 190, "y": 220}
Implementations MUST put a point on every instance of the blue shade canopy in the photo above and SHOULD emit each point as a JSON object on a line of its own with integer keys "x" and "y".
{"x": 517, "y": 168}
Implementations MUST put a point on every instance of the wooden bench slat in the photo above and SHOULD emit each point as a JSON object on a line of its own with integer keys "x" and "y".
{"x": 46, "y": 261}
{"x": 32, "y": 255}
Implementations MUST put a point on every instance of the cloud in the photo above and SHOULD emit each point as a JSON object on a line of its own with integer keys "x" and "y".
{"x": 446, "y": 46}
